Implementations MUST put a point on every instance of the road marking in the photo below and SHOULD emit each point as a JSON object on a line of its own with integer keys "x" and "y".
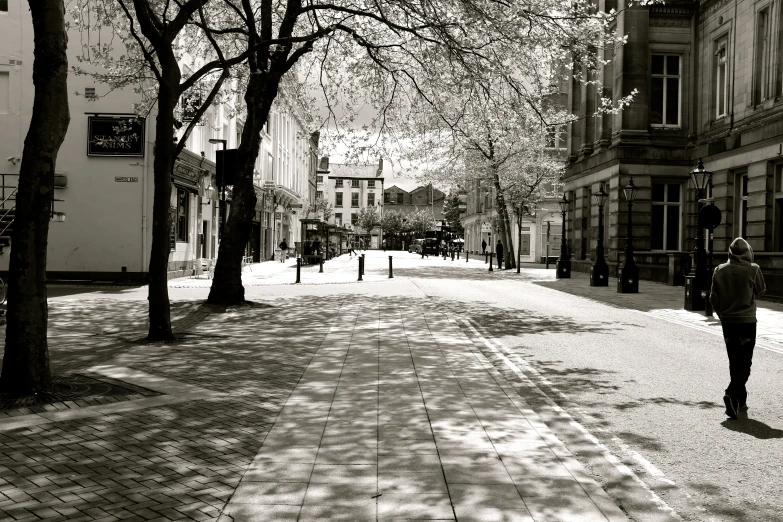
{"x": 657, "y": 505}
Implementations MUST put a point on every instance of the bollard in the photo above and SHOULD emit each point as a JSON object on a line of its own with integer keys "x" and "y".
{"x": 321, "y": 262}
{"x": 486, "y": 256}
{"x": 360, "y": 268}
{"x": 362, "y": 264}
{"x": 457, "y": 255}
{"x": 490, "y": 263}
{"x": 467, "y": 256}
{"x": 298, "y": 269}
{"x": 391, "y": 273}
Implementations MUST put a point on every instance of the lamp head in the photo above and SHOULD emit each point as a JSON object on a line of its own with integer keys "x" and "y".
{"x": 215, "y": 141}
{"x": 563, "y": 203}
{"x": 700, "y": 176}
{"x": 601, "y": 196}
{"x": 630, "y": 191}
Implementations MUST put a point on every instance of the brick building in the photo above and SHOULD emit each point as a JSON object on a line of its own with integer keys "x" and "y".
{"x": 709, "y": 81}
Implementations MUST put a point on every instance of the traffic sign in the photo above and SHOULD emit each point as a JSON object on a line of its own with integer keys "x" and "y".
{"x": 709, "y": 217}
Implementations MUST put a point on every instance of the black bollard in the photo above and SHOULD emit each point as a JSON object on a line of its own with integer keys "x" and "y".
{"x": 490, "y": 263}
{"x": 298, "y": 269}
{"x": 321, "y": 262}
{"x": 362, "y": 264}
{"x": 391, "y": 273}
{"x": 360, "y": 268}
{"x": 457, "y": 255}
{"x": 486, "y": 256}
{"x": 467, "y": 256}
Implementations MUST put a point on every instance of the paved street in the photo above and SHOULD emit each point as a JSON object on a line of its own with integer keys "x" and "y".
{"x": 447, "y": 392}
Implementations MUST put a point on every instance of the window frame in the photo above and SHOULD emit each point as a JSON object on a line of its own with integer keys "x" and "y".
{"x": 338, "y": 183}
{"x": 338, "y": 200}
{"x": 370, "y": 183}
{"x": 741, "y": 181}
{"x": 665, "y": 76}
{"x": 354, "y": 183}
{"x": 666, "y": 203}
{"x": 760, "y": 86}
{"x": 355, "y": 197}
{"x": 183, "y": 236}
{"x": 319, "y": 178}
{"x": 319, "y": 194}
{"x": 371, "y": 199}
{"x": 777, "y": 203}
{"x": 721, "y": 45}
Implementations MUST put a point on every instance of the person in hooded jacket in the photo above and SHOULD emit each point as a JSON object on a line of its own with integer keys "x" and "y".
{"x": 735, "y": 286}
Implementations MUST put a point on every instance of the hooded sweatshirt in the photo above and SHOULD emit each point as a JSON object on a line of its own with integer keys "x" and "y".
{"x": 736, "y": 284}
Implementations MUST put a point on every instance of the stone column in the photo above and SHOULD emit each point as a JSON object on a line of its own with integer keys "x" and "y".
{"x": 630, "y": 126}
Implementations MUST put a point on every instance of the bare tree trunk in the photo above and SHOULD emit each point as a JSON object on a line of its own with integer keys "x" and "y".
{"x": 227, "y": 286}
{"x": 26, "y": 359}
{"x": 158, "y": 296}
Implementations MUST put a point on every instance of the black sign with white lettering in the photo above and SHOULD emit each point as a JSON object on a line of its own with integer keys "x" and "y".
{"x": 115, "y": 136}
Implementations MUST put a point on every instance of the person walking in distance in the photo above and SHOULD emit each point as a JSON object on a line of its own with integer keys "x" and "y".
{"x": 499, "y": 251}
{"x": 351, "y": 251}
{"x": 483, "y": 247}
{"x": 283, "y": 251}
{"x": 735, "y": 286}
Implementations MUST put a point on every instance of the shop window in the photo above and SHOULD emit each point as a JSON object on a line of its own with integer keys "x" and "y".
{"x": 354, "y": 183}
{"x": 761, "y": 67}
{"x": 778, "y": 195}
{"x": 354, "y": 199}
{"x": 370, "y": 199}
{"x": 338, "y": 183}
{"x": 665, "y": 90}
{"x": 338, "y": 199}
{"x": 666, "y": 211}
{"x": 183, "y": 213}
{"x": 720, "y": 91}
{"x": 371, "y": 183}
{"x": 741, "y": 188}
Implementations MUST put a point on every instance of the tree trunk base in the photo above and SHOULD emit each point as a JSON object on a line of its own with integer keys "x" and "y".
{"x": 226, "y": 295}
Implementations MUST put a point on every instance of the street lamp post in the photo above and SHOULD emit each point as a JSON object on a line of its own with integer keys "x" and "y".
{"x": 628, "y": 273}
{"x": 697, "y": 279}
{"x": 222, "y": 212}
{"x": 564, "y": 262}
{"x": 599, "y": 272}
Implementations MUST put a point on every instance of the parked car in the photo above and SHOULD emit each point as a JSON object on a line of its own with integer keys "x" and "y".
{"x": 415, "y": 246}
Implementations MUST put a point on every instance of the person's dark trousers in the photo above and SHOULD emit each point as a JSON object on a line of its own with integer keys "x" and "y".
{"x": 740, "y": 340}
{"x": 500, "y": 262}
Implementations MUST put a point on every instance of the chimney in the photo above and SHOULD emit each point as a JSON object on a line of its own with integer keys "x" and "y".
{"x": 379, "y": 172}
{"x": 324, "y": 164}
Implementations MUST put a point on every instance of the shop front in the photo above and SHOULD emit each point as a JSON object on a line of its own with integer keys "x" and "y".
{"x": 190, "y": 229}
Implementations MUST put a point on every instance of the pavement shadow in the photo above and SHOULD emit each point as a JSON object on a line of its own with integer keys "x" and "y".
{"x": 752, "y": 427}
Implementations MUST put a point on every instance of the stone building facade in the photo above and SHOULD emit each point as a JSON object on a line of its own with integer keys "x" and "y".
{"x": 708, "y": 77}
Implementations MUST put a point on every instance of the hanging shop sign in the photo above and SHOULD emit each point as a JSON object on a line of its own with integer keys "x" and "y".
{"x": 118, "y": 136}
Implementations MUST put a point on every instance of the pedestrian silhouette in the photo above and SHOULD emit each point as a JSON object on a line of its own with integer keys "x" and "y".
{"x": 483, "y": 247}
{"x": 499, "y": 251}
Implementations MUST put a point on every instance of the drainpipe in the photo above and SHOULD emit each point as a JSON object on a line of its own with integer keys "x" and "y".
{"x": 144, "y": 227}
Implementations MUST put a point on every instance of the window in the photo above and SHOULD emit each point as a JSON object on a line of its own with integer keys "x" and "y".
{"x": 319, "y": 179}
{"x": 354, "y": 199}
{"x": 270, "y": 167}
{"x": 370, "y": 199}
{"x": 354, "y": 219}
{"x": 338, "y": 219}
{"x": 183, "y": 207}
{"x": 778, "y": 195}
{"x": 741, "y": 185}
{"x": 319, "y": 194}
{"x": 5, "y": 91}
{"x": 338, "y": 183}
{"x": 3, "y": 6}
{"x": 721, "y": 78}
{"x": 665, "y": 90}
{"x": 761, "y": 57}
{"x": 386, "y": 197}
{"x": 665, "y": 233}
{"x": 338, "y": 199}
{"x": 354, "y": 183}
{"x": 556, "y": 137}
{"x": 371, "y": 183}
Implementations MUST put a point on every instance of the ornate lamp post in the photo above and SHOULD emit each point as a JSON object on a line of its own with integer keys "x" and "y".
{"x": 696, "y": 281}
{"x": 564, "y": 262}
{"x": 628, "y": 274}
{"x": 223, "y": 176}
{"x": 599, "y": 272}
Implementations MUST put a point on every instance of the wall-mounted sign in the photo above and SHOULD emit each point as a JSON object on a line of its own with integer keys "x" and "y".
{"x": 126, "y": 179}
{"x": 115, "y": 136}
{"x": 486, "y": 227}
{"x": 524, "y": 248}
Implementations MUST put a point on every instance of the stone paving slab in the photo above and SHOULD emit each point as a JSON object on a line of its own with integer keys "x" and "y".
{"x": 413, "y": 423}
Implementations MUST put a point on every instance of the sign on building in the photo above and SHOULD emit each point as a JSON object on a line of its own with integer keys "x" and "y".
{"x": 486, "y": 227}
{"x": 524, "y": 246}
{"x": 115, "y": 136}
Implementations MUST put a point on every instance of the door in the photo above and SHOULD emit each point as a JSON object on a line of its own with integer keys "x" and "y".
{"x": 204, "y": 238}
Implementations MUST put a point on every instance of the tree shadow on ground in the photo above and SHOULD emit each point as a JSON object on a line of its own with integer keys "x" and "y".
{"x": 464, "y": 273}
{"x": 667, "y": 401}
{"x": 752, "y": 427}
